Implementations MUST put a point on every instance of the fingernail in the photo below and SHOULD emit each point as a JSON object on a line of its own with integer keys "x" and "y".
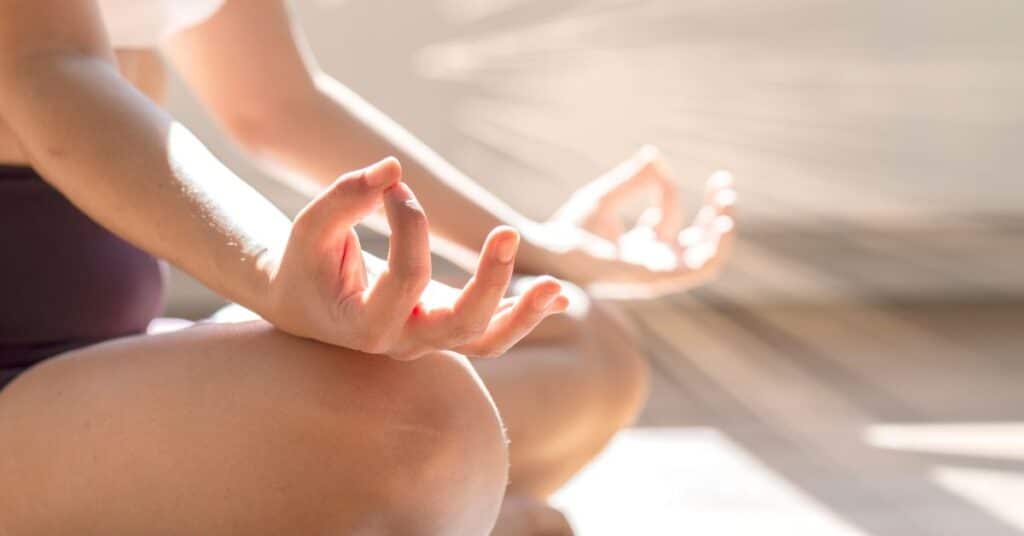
{"x": 382, "y": 172}
{"x": 402, "y": 194}
{"x": 507, "y": 249}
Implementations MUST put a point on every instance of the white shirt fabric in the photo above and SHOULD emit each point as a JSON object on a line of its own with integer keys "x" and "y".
{"x": 144, "y": 23}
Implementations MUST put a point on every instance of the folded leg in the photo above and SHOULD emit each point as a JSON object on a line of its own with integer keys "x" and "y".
{"x": 241, "y": 429}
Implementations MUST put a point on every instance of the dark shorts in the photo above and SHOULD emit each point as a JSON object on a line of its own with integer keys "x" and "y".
{"x": 65, "y": 282}
{"x": 7, "y": 375}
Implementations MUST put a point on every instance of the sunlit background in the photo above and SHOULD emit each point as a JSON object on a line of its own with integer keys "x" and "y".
{"x": 860, "y": 367}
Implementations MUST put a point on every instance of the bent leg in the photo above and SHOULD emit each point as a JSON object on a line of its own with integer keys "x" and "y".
{"x": 563, "y": 393}
{"x": 224, "y": 429}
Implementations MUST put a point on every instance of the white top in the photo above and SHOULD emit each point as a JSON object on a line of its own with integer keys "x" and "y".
{"x": 143, "y": 23}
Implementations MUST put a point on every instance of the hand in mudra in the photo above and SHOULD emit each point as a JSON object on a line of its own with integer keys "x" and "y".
{"x": 658, "y": 255}
{"x": 321, "y": 288}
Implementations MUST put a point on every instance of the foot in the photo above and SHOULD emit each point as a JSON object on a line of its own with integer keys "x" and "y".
{"x": 525, "y": 516}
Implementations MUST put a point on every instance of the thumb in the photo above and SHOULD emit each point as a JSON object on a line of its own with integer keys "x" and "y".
{"x": 347, "y": 201}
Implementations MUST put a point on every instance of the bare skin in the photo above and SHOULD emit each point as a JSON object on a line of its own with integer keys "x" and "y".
{"x": 170, "y": 409}
{"x": 243, "y": 429}
{"x": 286, "y": 426}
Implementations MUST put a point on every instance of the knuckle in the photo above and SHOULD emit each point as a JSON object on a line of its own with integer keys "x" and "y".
{"x": 412, "y": 271}
{"x": 410, "y": 278}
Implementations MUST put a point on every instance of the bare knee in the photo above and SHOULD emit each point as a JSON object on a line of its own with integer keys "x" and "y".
{"x": 450, "y": 448}
{"x": 434, "y": 454}
{"x": 245, "y": 429}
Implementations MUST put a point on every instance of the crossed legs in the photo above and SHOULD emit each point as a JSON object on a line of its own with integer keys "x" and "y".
{"x": 242, "y": 429}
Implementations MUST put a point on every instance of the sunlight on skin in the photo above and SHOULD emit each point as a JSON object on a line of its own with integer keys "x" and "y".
{"x": 244, "y": 209}
{"x": 646, "y": 256}
{"x": 689, "y": 481}
{"x": 1002, "y": 440}
{"x": 997, "y": 492}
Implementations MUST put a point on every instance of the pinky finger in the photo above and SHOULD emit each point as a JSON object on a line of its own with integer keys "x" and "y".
{"x": 518, "y": 318}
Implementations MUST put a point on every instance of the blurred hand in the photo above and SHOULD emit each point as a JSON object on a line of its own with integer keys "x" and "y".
{"x": 322, "y": 288}
{"x": 591, "y": 246}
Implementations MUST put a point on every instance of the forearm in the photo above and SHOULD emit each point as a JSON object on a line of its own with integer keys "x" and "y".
{"x": 130, "y": 167}
{"x": 336, "y": 130}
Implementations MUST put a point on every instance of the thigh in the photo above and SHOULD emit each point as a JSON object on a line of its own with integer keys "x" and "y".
{"x": 222, "y": 429}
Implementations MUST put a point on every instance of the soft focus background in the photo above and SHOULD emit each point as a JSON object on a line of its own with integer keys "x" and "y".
{"x": 859, "y": 369}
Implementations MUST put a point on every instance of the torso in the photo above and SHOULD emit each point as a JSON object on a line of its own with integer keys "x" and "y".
{"x": 71, "y": 282}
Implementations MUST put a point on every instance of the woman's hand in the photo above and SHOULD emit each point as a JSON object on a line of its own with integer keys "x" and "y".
{"x": 589, "y": 244}
{"x": 319, "y": 286}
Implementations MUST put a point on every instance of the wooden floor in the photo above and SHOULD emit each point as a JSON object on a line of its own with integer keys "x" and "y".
{"x": 863, "y": 383}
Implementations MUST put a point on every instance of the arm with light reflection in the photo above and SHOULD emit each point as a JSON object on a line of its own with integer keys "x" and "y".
{"x": 249, "y": 68}
{"x": 133, "y": 169}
